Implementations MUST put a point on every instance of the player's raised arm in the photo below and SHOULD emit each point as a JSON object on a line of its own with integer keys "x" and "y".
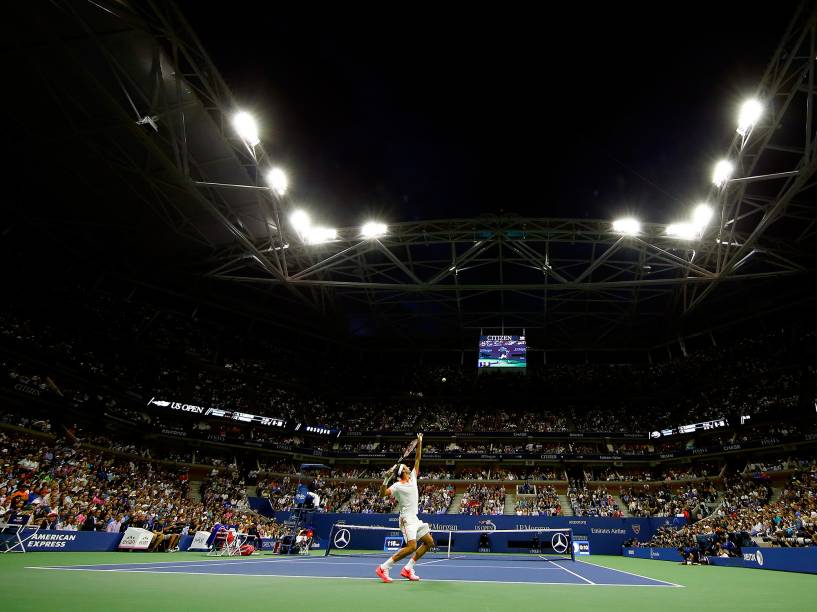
{"x": 384, "y": 488}
{"x": 418, "y": 455}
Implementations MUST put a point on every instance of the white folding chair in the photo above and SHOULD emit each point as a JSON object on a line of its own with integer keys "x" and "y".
{"x": 227, "y": 543}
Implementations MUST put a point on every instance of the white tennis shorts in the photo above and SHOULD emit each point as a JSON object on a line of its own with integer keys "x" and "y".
{"x": 413, "y": 528}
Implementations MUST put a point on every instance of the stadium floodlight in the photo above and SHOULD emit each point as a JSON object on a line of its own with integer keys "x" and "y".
{"x": 373, "y": 229}
{"x": 683, "y": 231}
{"x": 246, "y": 127}
{"x": 317, "y": 235}
{"x": 702, "y": 215}
{"x": 750, "y": 112}
{"x": 723, "y": 171}
{"x": 301, "y": 222}
{"x": 278, "y": 181}
{"x": 627, "y": 226}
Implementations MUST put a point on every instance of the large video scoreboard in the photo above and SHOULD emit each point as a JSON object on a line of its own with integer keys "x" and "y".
{"x": 502, "y": 352}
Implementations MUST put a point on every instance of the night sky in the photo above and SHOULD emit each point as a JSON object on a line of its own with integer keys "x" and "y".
{"x": 418, "y": 114}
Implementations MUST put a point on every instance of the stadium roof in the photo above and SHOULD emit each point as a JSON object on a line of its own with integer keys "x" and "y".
{"x": 130, "y": 158}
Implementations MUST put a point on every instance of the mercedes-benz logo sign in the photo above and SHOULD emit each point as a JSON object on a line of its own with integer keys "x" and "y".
{"x": 759, "y": 557}
{"x": 559, "y": 542}
{"x": 342, "y": 538}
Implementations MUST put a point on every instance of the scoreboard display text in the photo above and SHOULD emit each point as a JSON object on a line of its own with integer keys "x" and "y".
{"x": 502, "y": 352}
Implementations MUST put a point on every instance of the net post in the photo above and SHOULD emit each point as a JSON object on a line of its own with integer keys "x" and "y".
{"x": 448, "y": 556}
{"x": 572, "y": 549}
{"x": 331, "y": 540}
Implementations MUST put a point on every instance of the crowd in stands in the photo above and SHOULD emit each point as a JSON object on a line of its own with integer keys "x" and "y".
{"x": 81, "y": 474}
{"x": 368, "y": 500}
{"x": 749, "y": 518}
{"x": 803, "y": 462}
{"x": 180, "y": 357}
{"x": 543, "y": 502}
{"x": 483, "y": 499}
{"x": 519, "y": 420}
{"x": 592, "y": 501}
{"x": 600, "y": 420}
{"x": 687, "y": 472}
{"x": 694, "y": 501}
{"x": 59, "y": 483}
{"x": 96, "y": 480}
{"x": 182, "y": 426}
{"x": 668, "y": 474}
{"x": 618, "y": 474}
{"x": 435, "y": 499}
{"x": 431, "y": 472}
{"x": 743, "y": 493}
{"x": 518, "y": 473}
{"x": 224, "y": 490}
{"x": 630, "y": 448}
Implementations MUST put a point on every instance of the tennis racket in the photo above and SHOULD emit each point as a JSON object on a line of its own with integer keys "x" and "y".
{"x": 409, "y": 449}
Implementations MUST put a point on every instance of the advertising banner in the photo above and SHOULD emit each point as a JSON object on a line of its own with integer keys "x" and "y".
{"x": 135, "y": 538}
{"x": 781, "y": 559}
{"x": 200, "y": 541}
{"x": 46, "y": 540}
{"x": 659, "y": 554}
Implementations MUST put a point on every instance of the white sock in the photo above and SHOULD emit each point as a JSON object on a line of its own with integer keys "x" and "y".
{"x": 410, "y": 564}
{"x": 387, "y": 564}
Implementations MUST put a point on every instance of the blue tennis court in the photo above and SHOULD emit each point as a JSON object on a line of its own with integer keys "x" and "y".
{"x": 455, "y": 569}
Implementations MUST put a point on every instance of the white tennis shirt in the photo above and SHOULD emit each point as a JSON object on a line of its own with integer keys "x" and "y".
{"x": 407, "y": 496}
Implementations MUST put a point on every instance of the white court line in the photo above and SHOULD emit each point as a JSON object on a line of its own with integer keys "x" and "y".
{"x": 581, "y": 584}
{"x": 125, "y": 567}
{"x": 215, "y": 561}
{"x": 579, "y": 576}
{"x": 455, "y": 566}
{"x": 681, "y": 586}
{"x": 438, "y": 560}
{"x": 516, "y": 567}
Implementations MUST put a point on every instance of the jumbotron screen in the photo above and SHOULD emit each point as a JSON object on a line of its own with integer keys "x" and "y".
{"x": 502, "y": 352}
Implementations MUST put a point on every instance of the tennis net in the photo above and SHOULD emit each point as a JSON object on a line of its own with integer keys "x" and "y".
{"x": 521, "y": 544}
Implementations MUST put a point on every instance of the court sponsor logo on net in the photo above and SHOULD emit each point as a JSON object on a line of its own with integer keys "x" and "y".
{"x": 559, "y": 542}
{"x": 342, "y": 538}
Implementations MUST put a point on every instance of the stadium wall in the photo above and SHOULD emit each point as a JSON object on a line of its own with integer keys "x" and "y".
{"x": 803, "y": 560}
{"x": 46, "y": 540}
{"x": 605, "y": 535}
{"x": 658, "y": 554}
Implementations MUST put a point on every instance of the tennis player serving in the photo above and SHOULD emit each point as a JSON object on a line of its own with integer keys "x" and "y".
{"x": 405, "y": 492}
